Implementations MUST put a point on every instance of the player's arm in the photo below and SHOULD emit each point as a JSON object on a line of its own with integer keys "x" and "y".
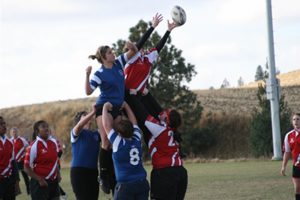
{"x": 132, "y": 50}
{"x": 163, "y": 40}
{"x": 82, "y": 122}
{"x": 286, "y": 157}
{"x": 154, "y": 23}
{"x": 107, "y": 119}
{"x": 129, "y": 113}
{"x": 88, "y": 89}
{"x": 27, "y": 167}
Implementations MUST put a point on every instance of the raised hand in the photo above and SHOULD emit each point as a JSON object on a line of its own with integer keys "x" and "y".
{"x": 171, "y": 25}
{"x": 156, "y": 20}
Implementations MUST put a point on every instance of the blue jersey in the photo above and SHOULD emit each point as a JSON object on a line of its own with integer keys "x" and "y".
{"x": 85, "y": 149}
{"x": 110, "y": 82}
{"x": 127, "y": 156}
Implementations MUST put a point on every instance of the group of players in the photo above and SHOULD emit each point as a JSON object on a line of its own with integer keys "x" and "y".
{"x": 125, "y": 113}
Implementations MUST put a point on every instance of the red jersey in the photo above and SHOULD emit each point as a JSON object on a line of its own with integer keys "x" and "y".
{"x": 137, "y": 70}
{"x": 6, "y": 157}
{"x": 20, "y": 145}
{"x": 292, "y": 144}
{"x": 42, "y": 157}
{"x": 164, "y": 150}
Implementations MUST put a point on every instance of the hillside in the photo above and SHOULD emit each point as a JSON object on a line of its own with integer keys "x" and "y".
{"x": 242, "y": 100}
{"x": 287, "y": 79}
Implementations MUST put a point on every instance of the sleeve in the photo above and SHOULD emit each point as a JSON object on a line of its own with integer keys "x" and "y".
{"x": 30, "y": 155}
{"x": 74, "y": 137}
{"x": 154, "y": 126}
{"x": 95, "y": 81}
{"x": 286, "y": 144}
{"x": 114, "y": 139}
{"x": 137, "y": 133}
{"x": 144, "y": 38}
{"x": 121, "y": 60}
{"x": 162, "y": 41}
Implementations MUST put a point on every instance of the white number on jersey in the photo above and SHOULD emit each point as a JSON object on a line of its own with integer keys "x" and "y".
{"x": 134, "y": 156}
{"x": 171, "y": 141}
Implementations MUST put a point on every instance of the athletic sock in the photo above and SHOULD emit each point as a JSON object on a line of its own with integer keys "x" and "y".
{"x": 297, "y": 196}
{"x": 105, "y": 156}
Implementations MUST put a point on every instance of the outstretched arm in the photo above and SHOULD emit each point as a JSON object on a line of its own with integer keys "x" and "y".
{"x": 155, "y": 21}
{"x": 163, "y": 40}
{"x": 83, "y": 121}
{"x": 129, "y": 113}
{"x": 132, "y": 50}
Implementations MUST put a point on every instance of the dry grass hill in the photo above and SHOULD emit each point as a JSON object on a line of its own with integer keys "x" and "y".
{"x": 242, "y": 100}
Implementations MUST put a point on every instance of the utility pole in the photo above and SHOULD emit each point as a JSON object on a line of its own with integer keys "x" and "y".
{"x": 273, "y": 88}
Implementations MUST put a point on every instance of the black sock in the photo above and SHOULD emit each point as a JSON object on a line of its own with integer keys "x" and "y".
{"x": 104, "y": 161}
{"x": 297, "y": 196}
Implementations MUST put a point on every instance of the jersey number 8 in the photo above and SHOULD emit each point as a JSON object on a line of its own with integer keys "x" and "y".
{"x": 134, "y": 156}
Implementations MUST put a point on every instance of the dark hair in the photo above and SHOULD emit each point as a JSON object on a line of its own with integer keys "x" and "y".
{"x": 78, "y": 116}
{"x": 100, "y": 54}
{"x": 36, "y": 126}
{"x": 125, "y": 128}
{"x": 174, "y": 119}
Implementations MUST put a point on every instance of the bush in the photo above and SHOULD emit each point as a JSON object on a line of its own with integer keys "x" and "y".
{"x": 261, "y": 125}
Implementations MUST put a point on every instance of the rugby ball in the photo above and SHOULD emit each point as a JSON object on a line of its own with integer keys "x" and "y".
{"x": 178, "y": 15}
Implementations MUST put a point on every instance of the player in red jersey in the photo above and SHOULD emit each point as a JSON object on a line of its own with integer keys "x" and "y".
{"x": 41, "y": 164}
{"x": 292, "y": 148}
{"x": 168, "y": 176}
{"x": 20, "y": 145}
{"x": 8, "y": 168}
{"x": 137, "y": 72}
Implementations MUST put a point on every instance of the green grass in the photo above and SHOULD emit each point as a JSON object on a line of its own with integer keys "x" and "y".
{"x": 247, "y": 180}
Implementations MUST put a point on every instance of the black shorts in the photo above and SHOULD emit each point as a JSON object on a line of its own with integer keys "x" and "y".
{"x": 44, "y": 193}
{"x": 7, "y": 188}
{"x": 84, "y": 183}
{"x": 296, "y": 172}
{"x": 169, "y": 183}
{"x": 20, "y": 165}
{"x": 116, "y": 111}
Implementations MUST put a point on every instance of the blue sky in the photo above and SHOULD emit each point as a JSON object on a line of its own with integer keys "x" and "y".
{"x": 44, "y": 45}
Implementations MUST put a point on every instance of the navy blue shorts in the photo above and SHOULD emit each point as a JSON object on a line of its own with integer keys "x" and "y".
{"x": 138, "y": 190}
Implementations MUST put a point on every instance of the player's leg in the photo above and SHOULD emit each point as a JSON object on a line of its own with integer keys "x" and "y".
{"x": 151, "y": 104}
{"x": 104, "y": 157}
{"x": 162, "y": 184}
{"x": 296, "y": 182}
{"x": 182, "y": 183}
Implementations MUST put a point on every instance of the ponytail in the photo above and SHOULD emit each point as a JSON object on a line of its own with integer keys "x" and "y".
{"x": 100, "y": 54}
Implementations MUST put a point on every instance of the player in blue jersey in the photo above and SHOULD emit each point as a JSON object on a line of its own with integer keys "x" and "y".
{"x": 127, "y": 155}
{"x": 85, "y": 150}
{"x": 110, "y": 80}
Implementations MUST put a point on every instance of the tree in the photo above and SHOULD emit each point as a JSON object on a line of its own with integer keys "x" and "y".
{"x": 168, "y": 75}
{"x": 259, "y": 75}
{"x": 225, "y": 84}
{"x": 261, "y": 126}
{"x": 240, "y": 82}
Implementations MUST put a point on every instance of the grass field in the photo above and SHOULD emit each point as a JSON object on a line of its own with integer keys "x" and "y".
{"x": 228, "y": 180}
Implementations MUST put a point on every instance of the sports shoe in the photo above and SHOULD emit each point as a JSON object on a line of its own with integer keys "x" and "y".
{"x": 104, "y": 185}
{"x": 63, "y": 197}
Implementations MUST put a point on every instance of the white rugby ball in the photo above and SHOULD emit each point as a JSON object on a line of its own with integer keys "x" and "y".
{"x": 178, "y": 15}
